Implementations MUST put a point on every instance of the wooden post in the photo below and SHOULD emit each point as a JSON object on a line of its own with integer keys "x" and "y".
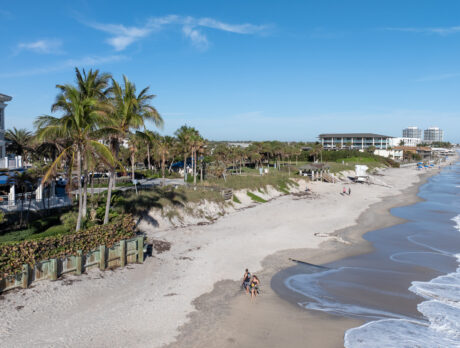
{"x": 140, "y": 249}
{"x": 122, "y": 250}
{"x": 79, "y": 262}
{"x": 102, "y": 257}
{"x": 53, "y": 269}
{"x": 25, "y": 276}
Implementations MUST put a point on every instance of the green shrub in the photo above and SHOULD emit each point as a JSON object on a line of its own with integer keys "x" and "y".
{"x": 14, "y": 255}
{"x": 236, "y": 200}
{"x": 17, "y": 236}
{"x": 69, "y": 219}
{"x": 52, "y": 231}
{"x": 256, "y": 198}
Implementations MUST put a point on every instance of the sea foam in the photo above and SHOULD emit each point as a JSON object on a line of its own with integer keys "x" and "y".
{"x": 442, "y": 328}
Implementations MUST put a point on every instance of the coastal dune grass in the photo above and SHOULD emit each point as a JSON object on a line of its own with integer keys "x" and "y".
{"x": 254, "y": 182}
{"x": 256, "y": 198}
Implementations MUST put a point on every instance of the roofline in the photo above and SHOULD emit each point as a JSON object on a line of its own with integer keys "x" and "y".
{"x": 4, "y": 97}
{"x": 351, "y": 135}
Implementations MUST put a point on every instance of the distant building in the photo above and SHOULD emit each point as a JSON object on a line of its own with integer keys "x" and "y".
{"x": 433, "y": 134}
{"x": 396, "y": 154}
{"x": 239, "y": 144}
{"x": 404, "y": 141}
{"x": 412, "y": 132}
{"x": 3, "y": 99}
{"x": 353, "y": 141}
{"x": 424, "y": 151}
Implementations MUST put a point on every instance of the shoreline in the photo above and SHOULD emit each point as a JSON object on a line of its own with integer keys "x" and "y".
{"x": 278, "y": 301}
{"x": 186, "y": 296}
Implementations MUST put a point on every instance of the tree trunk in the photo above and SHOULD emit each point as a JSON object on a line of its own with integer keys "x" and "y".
{"x": 132, "y": 165}
{"x": 28, "y": 209}
{"x": 194, "y": 167}
{"x": 85, "y": 190}
{"x": 80, "y": 198}
{"x": 163, "y": 164}
{"x": 201, "y": 172}
{"x": 109, "y": 196}
{"x": 92, "y": 190}
{"x": 148, "y": 156}
{"x": 185, "y": 166}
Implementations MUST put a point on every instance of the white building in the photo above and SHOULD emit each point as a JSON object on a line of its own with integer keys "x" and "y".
{"x": 396, "y": 154}
{"x": 353, "y": 141}
{"x": 3, "y": 99}
{"x": 433, "y": 134}
{"x": 404, "y": 141}
{"x": 412, "y": 132}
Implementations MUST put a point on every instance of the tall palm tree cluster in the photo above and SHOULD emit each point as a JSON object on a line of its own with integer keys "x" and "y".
{"x": 102, "y": 126}
{"x": 97, "y": 114}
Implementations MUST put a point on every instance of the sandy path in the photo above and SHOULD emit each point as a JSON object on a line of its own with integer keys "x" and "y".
{"x": 143, "y": 305}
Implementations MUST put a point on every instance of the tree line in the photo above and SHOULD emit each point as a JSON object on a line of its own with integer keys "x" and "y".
{"x": 102, "y": 125}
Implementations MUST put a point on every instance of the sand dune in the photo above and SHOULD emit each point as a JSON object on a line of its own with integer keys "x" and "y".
{"x": 145, "y": 305}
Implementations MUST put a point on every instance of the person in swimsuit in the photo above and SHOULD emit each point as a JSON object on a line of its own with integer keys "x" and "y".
{"x": 246, "y": 280}
{"x": 254, "y": 286}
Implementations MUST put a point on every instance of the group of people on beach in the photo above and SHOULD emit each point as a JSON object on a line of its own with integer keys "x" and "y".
{"x": 344, "y": 191}
{"x": 250, "y": 284}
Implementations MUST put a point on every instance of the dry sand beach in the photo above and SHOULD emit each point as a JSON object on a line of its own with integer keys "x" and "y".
{"x": 189, "y": 295}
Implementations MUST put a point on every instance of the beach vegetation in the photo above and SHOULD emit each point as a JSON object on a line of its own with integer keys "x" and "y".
{"x": 57, "y": 243}
{"x": 256, "y": 198}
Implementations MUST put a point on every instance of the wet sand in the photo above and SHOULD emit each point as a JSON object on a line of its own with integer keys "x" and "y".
{"x": 227, "y": 317}
{"x": 183, "y": 296}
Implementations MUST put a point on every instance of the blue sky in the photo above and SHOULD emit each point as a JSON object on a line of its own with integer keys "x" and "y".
{"x": 246, "y": 70}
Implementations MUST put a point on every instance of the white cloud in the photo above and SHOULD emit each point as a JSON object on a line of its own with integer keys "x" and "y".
{"x": 198, "y": 39}
{"x": 44, "y": 46}
{"x": 430, "y": 30}
{"x": 122, "y": 36}
{"x": 88, "y": 61}
{"x": 192, "y": 28}
{"x": 233, "y": 28}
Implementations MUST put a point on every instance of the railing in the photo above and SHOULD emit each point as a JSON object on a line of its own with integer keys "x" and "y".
{"x": 8, "y": 163}
{"x": 30, "y": 203}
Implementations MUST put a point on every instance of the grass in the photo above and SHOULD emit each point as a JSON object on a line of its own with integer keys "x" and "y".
{"x": 253, "y": 182}
{"x": 33, "y": 233}
{"x": 236, "y": 200}
{"x": 349, "y": 164}
{"x": 256, "y": 198}
{"x": 162, "y": 197}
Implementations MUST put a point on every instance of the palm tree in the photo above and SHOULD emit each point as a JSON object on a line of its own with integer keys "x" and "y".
{"x": 184, "y": 136}
{"x": 19, "y": 141}
{"x": 130, "y": 112}
{"x": 196, "y": 142}
{"x": 162, "y": 147}
{"x": 92, "y": 85}
{"x": 81, "y": 117}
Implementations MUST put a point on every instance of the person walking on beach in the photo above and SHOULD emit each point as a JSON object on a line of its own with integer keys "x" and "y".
{"x": 254, "y": 286}
{"x": 246, "y": 280}
{"x": 349, "y": 191}
{"x": 344, "y": 191}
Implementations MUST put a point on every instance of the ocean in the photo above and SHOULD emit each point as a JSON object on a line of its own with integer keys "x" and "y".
{"x": 407, "y": 289}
